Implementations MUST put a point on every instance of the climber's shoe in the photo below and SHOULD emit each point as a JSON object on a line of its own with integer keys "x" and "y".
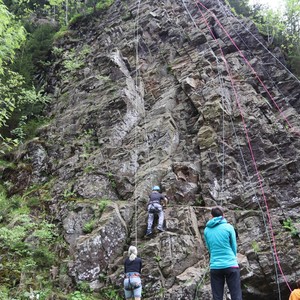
{"x": 149, "y": 232}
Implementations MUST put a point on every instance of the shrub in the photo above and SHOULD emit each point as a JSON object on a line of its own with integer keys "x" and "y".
{"x": 43, "y": 257}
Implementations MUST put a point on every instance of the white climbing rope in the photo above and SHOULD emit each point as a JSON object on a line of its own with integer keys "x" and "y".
{"x": 135, "y": 128}
{"x": 273, "y": 250}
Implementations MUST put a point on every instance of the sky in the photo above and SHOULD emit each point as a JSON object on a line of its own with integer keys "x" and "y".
{"x": 274, "y": 4}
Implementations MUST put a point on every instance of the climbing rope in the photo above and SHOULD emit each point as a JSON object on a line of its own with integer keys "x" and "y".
{"x": 251, "y": 68}
{"x": 136, "y": 105}
{"x": 228, "y": 12}
{"x": 245, "y": 166}
{"x": 249, "y": 142}
{"x": 223, "y": 115}
{"x": 269, "y": 76}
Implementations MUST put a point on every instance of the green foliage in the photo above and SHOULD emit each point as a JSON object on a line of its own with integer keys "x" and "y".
{"x": 240, "y": 7}
{"x": 157, "y": 258}
{"x": 112, "y": 180}
{"x": 43, "y": 257}
{"x": 76, "y": 18}
{"x": 84, "y": 287}
{"x": 75, "y": 60}
{"x": 102, "y": 205}
{"x": 68, "y": 193}
{"x": 281, "y": 29}
{"x": 63, "y": 31}
{"x": 4, "y": 292}
{"x": 72, "y": 63}
{"x": 6, "y": 164}
{"x": 12, "y": 88}
{"x": 111, "y": 293}
{"x": 103, "y": 4}
{"x": 36, "y": 294}
{"x": 12, "y": 35}
{"x": 34, "y": 54}
{"x": 30, "y": 128}
{"x": 199, "y": 201}
{"x": 45, "y": 233}
{"x": 288, "y": 225}
{"x": 89, "y": 226}
{"x": 270, "y": 24}
{"x": 12, "y": 238}
{"x": 28, "y": 246}
{"x": 57, "y": 51}
{"x": 255, "y": 247}
{"x": 89, "y": 169}
{"x": 20, "y": 100}
{"x": 77, "y": 295}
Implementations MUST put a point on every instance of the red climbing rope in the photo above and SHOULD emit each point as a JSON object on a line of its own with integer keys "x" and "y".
{"x": 245, "y": 127}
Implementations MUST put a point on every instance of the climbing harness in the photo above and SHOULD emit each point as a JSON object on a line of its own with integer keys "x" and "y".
{"x": 130, "y": 286}
{"x": 153, "y": 209}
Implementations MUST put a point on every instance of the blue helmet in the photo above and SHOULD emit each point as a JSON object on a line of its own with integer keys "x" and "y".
{"x": 156, "y": 188}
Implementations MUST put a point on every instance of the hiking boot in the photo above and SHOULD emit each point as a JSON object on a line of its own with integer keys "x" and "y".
{"x": 149, "y": 231}
{"x": 160, "y": 229}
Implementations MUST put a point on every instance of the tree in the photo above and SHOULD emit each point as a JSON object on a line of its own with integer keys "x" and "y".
{"x": 241, "y": 7}
{"x": 281, "y": 29}
{"x": 13, "y": 92}
{"x": 292, "y": 21}
{"x": 12, "y": 35}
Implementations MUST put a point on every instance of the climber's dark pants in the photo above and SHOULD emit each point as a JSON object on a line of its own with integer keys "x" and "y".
{"x": 232, "y": 278}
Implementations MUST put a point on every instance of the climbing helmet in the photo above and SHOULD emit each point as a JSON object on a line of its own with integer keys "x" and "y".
{"x": 156, "y": 188}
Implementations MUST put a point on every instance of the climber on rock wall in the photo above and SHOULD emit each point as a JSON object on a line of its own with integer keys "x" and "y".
{"x": 155, "y": 205}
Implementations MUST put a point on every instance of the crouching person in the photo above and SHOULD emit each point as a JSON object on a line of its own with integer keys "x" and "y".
{"x": 132, "y": 269}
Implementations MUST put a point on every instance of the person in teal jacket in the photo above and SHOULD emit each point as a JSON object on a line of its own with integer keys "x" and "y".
{"x": 220, "y": 238}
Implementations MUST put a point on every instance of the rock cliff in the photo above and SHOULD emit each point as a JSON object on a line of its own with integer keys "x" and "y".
{"x": 184, "y": 95}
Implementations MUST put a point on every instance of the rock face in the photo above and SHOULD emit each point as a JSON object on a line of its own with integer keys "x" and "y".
{"x": 186, "y": 96}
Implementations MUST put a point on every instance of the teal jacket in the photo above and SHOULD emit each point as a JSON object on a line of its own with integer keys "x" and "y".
{"x": 220, "y": 240}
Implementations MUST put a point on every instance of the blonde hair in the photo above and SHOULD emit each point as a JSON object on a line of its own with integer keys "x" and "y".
{"x": 132, "y": 253}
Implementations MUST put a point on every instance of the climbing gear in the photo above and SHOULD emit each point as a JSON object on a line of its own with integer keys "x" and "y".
{"x": 154, "y": 209}
{"x": 129, "y": 286}
{"x": 156, "y": 188}
{"x": 133, "y": 275}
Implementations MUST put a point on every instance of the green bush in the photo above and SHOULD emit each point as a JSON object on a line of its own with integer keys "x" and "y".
{"x": 35, "y": 52}
{"x": 84, "y": 287}
{"x": 289, "y": 225}
{"x": 103, "y": 4}
{"x": 43, "y": 257}
{"x": 111, "y": 293}
{"x": 13, "y": 238}
{"x": 77, "y": 295}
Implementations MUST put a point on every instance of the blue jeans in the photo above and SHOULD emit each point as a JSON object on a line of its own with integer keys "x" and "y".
{"x": 232, "y": 277}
